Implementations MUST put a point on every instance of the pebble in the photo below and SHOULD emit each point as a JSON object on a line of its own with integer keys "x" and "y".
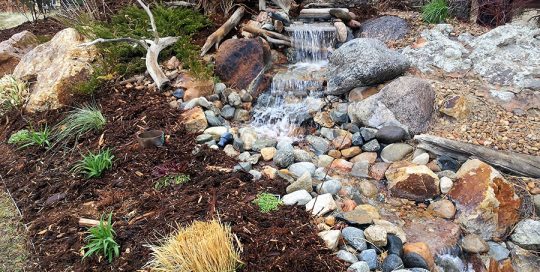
{"x": 368, "y": 133}
{"x": 216, "y": 131}
{"x": 203, "y": 138}
{"x": 358, "y": 267}
{"x": 376, "y": 235}
{"x": 329, "y": 187}
{"x": 497, "y": 251}
{"x": 443, "y": 208}
{"x": 284, "y": 143}
{"x": 341, "y": 142}
{"x": 473, "y": 243}
{"x": 231, "y": 151}
{"x": 243, "y": 166}
{"x": 268, "y": 153}
{"x": 392, "y": 262}
{"x": 319, "y": 145}
{"x": 446, "y": 185}
{"x": 390, "y": 134}
{"x": 302, "y": 156}
{"x": 327, "y": 133}
{"x": 300, "y": 197}
{"x": 339, "y": 117}
{"x": 447, "y": 163}
{"x": 241, "y": 115}
{"x": 256, "y": 174}
{"x": 227, "y": 112}
{"x": 367, "y": 188}
{"x": 302, "y": 183}
{"x": 219, "y": 88}
{"x": 413, "y": 259}
{"x": 259, "y": 144}
{"x": 360, "y": 169}
{"x": 284, "y": 157}
{"x": 330, "y": 238}
{"x": 300, "y": 168}
{"x": 357, "y": 139}
{"x": 421, "y": 159}
{"x": 346, "y": 256}
{"x": 178, "y": 93}
{"x": 527, "y": 234}
{"x": 321, "y": 205}
{"x": 394, "y": 245}
{"x": 371, "y": 146}
{"x": 234, "y": 99}
{"x": 355, "y": 238}
{"x": 447, "y": 173}
{"x": 324, "y": 160}
{"x": 320, "y": 174}
{"x": 395, "y": 152}
{"x": 351, "y": 152}
{"x": 370, "y": 257}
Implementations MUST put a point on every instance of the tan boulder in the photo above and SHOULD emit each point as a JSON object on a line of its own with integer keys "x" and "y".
{"x": 54, "y": 68}
{"x": 351, "y": 151}
{"x": 194, "y": 120}
{"x": 323, "y": 118}
{"x": 487, "y": 204}
{"x": 414, "y": 182}
{"x": 13, "y": 49}
{"x": 455, "y": 106}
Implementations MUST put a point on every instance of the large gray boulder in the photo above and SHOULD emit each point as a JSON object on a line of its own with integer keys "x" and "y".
{"x": 363, "y": 62}
{"x": 407, "y": 102}
{"x": 384, "y": 28}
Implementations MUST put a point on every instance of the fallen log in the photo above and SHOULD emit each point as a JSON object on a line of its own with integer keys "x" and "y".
{"x": 216, "y": 37}
{"x": 264, "y": 32}
{"x": 515, "y": 163}
{"x": 318, "y": 13}
{"x": 85, "y": 222}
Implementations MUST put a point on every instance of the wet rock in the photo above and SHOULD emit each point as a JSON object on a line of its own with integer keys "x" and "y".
{"x": 300, "y": 168}
{"x": 443, "y": 208}
{"x": 234, "y": 99}
{"x": 284, "y": 157}
{"x": 440, "y": 234}
{"x": 394, "y": 245}
{"x": 239, "y": 61}
{"x": 302, "y": 156}
{"x": 362, "y": 62}
{"x": 371, "y": 146}
{"x": 473, "y": 243}
{"x": 351, "y": 152}
{"x": 321, "y": 204}
{"x": 392, "y": 262}
{"x": 423, "y": 250}
{"x": 446, "y": 185}
{"x": 385, "y": 28}
{"x": 323, "y": 118}
{"x": 346, "y": 256}
{"x": 302, "y": 183}
{"x": 376, "y": 235}
{"x": 497, "y": 251}
{"x": 406, "y": 102}
{"x": 331, "y": 238}
{"x": 227, "y": 112}
{"x": 241, "y": 115}
{"x": 356, "y": 217}
{"x": 395, "y": 152}
{"x": 268, "y": 153}
{"x": 391, "y": 134}
{"x": 455, "y": 106}
{"x": 368, "y": 134}
{"x": 212, "y": 119}
{"x": 378, "y": 170}
{"x": 527, "y": 234}
{"x": 245, "y": 96}
{"x": 339, "y": 117}
{"x": 361, "y": 93}
{"x": 354, "y": 237}
{"x": 416, "y": 183}
{"x": 370, "y": 257}
{"x": 329, "y": 187}
{"x": 360, "y": 169}
{"x": 319, "y": 145}
{"x": 194, "y": 120}
{"x": 358, "y": 267}
{"x": 300, "y": 197}
{"x": 447, "y": 163}
{"x": 259, "y": 144}
{"x": 414, "y": 260}
{"x": 487, "y": 203}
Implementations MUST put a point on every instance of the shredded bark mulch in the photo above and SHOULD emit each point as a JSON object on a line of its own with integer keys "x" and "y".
{"x": 52, "y": 198}
{"x": 43, "y": 27}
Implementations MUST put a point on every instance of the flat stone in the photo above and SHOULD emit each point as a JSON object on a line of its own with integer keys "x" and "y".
{"x": 203, "y": 138}
{"x": 473, "y": 243}
{"x": 369, "y": 157}
{"x": 360, "y": 169}
{"x": 346, "y": 256}
{"x": 371, "y": 146}
{"x": 395, "y": 152}
{"x": 331, "y": 238}
{"x": 321, "y": 204}
{"x": 302, "y": 183}
{"x": 300, "y": 168}
{"x": 391, "y": 134}
{"x": 300, "y": 197}
{"x": 443, "y": 208}
{"x": 527, "y": 234}
{"x": 440, "y": 234}
{"x": 376, "y": 235}
{"x": 416, "y": 183}
{"x": 355, "y": 238}
{"x": 357, "y": 217}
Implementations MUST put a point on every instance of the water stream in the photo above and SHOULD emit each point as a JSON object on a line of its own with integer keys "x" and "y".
{"x": 293, "y": 95}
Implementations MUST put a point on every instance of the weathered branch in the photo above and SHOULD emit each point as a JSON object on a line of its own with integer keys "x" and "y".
{"x": 129, "y": 40}
{"x": 152, "y": 20}
{"x": 179, "y": 4}
{"x": 520, "y": 164}
{"x": 277, "y": 41}
{"x": 152, "y": 64}
{"x": 264, "y": 32}
{"x": 218, "y": 35}
{"x": 317, "y": 13}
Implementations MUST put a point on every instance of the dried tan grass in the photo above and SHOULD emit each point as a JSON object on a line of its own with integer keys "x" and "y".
{"x": 201, "y": 247}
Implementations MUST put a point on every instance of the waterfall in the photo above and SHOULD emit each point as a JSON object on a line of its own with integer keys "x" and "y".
{"x": 294, "y": 93}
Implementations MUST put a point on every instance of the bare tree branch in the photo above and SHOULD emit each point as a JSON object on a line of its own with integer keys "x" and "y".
{"x": 152, "y": 20}
{"x": 129, "y": 40}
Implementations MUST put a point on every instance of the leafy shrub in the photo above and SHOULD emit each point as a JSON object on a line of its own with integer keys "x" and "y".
{"x": 101, "y": 239}
{"x": 434, "y": 12}
{"x": 201, "y": 247}
{"x": 93, "y": 165}
{"x": 133, "y": 22}
{"x": 267, "y": 202}
{"x": 79, "y": 122}
{"x": 25, "y": 138}
{"x": 13, "y": 93}
{"x": 171, "y": 180}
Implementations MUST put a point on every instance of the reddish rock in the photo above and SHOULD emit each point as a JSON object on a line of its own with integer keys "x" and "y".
{"x": 416, "y": 183}
{"x": 369, "y": 157}
{"x": 239, "y": 61}
{"x": 323, "y": 118}
{"x": 455, "y": 106}
{"x": 348, "y": 205}
{"x": 487, "y": 204}
{"x": 194, "y": 120}
{"x": 378, "y": 169}
{"x": 421, "y": 249}
{"x": 341, "y": 142}
{"x": 342, "y": 165}
{"x": 438, "y": 233}
{"x": 351, "y": 151}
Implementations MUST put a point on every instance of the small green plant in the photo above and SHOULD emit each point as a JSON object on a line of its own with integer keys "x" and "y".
{"x": 92, "y": 165}
{"x": 25, "y": 138}
{"x": 101, "y": 239}
{"x": 267, "y": 202}
{"x": 13, "y": 93}
{"x": 434, "y": 12}
{"x": 79, "y": 122}
{"x": 171, "y": 180}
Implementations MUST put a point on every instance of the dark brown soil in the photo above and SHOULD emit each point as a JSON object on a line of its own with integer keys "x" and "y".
{"x": 43, "y": 27}
{"x": 52, "y": 198}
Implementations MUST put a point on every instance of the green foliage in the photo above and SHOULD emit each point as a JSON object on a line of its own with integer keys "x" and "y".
{"x": 92, "y": 165}
{"x": 13, "y": 93}
{"x": 267, "y": 202}
{"x": 434, "y": 12}
{"x": 171, "y": 180}
{"x": 133, "y": 22}
{"x": 79, "y": 122}
{"x": 101, "y": 239}
{"x": 94, "y": 81}
{"x": 25, "y": 138}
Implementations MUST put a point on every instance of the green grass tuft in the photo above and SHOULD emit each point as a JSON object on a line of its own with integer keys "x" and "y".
{"x": 267, "y": 202}
{"x": 79, "y": 122}
{"x": 13, "y": 93}
{"x": 25, "y": 138}
{"x": 101, "y": 239}
{"x": 93, "y": 165}
{"x": 434, "y": 12}
{"x": 171, "y": 180}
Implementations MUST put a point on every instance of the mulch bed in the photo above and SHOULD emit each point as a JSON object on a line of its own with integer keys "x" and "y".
{"x": 43, "y": 27}
{"x": 52, "y": 198}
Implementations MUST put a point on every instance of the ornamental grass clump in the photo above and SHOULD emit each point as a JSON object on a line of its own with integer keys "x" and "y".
{"x": 200, "y": 247}
{"x": 25, "y": 138}
{"x": 78, "y": 123}
{"x": 101, "y": 240}
{"x": 13, "y": 93}
{"x": 434, "y": 12}
{"x": 93, "y": 165}
{"x": 267, "y": 202}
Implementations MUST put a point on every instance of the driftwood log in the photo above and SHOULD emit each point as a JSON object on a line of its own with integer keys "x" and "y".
{"x": 183, "y": 4}
{"x": 270, "y": 36}
{"x": 515, "y": 163}
{"x": 317, "y": 13}
{"x": 153, "y": 48}
{"x": 216, "y": 37}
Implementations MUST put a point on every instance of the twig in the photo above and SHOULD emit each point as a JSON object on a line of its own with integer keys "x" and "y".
{"x": 152, "y": 20}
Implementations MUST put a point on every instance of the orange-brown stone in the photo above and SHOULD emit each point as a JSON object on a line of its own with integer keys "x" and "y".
{"x": 416, "y": 183}
{"x": 421, "y": 249}
{"x": 438, "y": 233}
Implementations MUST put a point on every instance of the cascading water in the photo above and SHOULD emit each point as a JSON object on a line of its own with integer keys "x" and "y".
{"x": 293, "y": 93}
